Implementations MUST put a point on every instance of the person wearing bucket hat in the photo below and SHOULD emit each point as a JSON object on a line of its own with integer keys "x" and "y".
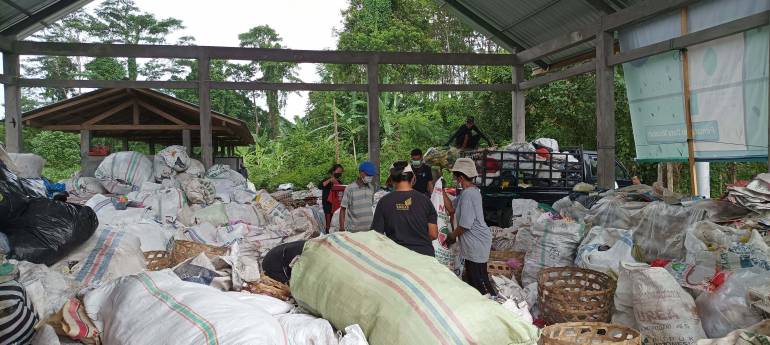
{"x": 471, "y": 231}
{"x": 406, "y": 215}
{"x": 357, "y": 200}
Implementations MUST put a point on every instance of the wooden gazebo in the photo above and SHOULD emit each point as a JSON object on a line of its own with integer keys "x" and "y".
{"x": 141, "y": 115}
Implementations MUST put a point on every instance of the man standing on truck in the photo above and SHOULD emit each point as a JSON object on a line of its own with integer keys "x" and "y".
{"x": 422, "y": 173}
{"x": 471, "y": 230}
{"x": 406, "y": 215}
{"x": 356, "y": 207}
{"x": 465, "y": 139}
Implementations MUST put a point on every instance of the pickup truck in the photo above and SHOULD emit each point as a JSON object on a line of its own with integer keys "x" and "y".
{"x": 543, "y": 177}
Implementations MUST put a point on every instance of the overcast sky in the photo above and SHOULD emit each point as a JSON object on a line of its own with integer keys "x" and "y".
{"x": 303, "y": 24}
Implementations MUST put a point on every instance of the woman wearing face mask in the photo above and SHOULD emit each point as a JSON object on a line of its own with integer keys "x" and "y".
{"x": 356, "y": 208}
{"x": 471, "y": 230}
{"x": 405, "y": 215}
{"x": 328, "y": 198}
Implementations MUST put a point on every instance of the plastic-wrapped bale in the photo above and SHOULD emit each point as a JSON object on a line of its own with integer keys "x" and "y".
{"x": 143, "y": 308}
{"x": 660, "y": 231}
{"x": 611, "y": 212}
{"x": 604, "y": 249}
{"x": 49, "y": 230}
{"x": 555, "y": 246}
{"x": 397, "y": 296}
{"x": 123, "y": 172}
{"x": 30, "y": 165}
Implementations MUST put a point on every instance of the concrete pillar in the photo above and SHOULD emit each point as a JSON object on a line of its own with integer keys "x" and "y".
{"x": 85, "y": 146}
{"x": 12, "y": 92}
{"x": 373, "y": 109}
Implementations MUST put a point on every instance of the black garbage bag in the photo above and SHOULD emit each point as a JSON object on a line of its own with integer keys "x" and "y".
{"x": 49, "y": 230}
{"x": 13, "y": 196}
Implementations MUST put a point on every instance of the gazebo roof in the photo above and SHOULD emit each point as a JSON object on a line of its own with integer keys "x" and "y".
{"x": 137, "y": 114}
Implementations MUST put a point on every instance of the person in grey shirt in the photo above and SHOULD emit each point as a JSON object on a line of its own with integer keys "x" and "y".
{"x": 471, "y": 231}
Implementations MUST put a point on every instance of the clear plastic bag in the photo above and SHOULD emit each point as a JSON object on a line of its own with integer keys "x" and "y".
{"x": 660, "y": 231}
{"x": 727, "y": 309}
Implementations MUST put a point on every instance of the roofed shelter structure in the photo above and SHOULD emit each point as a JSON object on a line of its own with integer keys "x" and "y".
{"x": 563, "y": 37}
{"x": 141, "y": 115}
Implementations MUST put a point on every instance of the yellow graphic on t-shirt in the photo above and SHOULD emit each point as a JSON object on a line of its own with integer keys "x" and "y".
{"x": 405, "y": 205}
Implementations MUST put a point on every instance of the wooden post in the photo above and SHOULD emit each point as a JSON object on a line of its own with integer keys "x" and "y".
{"x": 605, "y": 110}
{"x": 85, "y": 146}
{"x": 13, "y": 136}
{"x": 373, "y": 107}
{"x": 687, "y": 110}
{"x": 187, "y": 141}
{"x": 207, "y": 149}
{"x": 125, "y": 144}
{"x": 518, "y": 105}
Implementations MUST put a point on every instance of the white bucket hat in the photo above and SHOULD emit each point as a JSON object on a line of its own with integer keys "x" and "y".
{"x": 466, "y": 166}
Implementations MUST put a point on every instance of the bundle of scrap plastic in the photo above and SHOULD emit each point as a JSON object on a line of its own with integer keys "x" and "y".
{"x": 443, "y": 157}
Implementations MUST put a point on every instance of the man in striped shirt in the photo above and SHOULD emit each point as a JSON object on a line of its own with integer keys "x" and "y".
{"x": 356, "y": 208}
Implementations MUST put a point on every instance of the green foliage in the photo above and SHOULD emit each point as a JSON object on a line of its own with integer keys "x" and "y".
{"x": 61, "y": 152}
{"x": 105, "y": 68}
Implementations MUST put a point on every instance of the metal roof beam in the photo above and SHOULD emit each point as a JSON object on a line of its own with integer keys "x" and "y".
{"x": 641, "y": 11}
{"x": 556, "y": 45}
{"x": 236, "y": 53}
{"x": 582, "y": 68}
{"x": 600, "y": 5}
{"x": 47, "y": 15}
{"x": 681, "y": 42}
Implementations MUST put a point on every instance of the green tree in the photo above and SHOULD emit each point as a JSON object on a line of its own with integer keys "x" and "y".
{"x": 264, "y": 36}
{"x": 105, "y": 68}
{"x": 121, "y": 21}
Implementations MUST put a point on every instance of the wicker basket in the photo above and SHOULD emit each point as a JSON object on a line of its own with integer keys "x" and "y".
{"x": 270, "y": 287}
{"x": 573, "y": 333}
{"x": 157, "y": 260}
{"x": 570, "y": 294}
{"x": 184, "y": 250}
{"x": 499, "y": 268}
{"x": 504, "y": 256}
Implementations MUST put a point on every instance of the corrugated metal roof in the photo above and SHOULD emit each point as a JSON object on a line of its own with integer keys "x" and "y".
{"x": 20, "y": 18}
{"x": 517, "y": 24}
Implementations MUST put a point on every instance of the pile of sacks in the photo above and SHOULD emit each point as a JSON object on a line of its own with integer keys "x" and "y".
{"x": 684, "y": 268}
{"x": 84, "y": 269}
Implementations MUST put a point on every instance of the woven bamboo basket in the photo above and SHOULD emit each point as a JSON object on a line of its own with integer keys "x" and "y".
{"x": 270, "y": 287}
{"x": 573, "y": 333}
{"x": 499, "y": 268}
{"x": 184, "y": 250}
{"x": 157, "y": 260}
{"x": 504, "y": 256}
{"x": 570, "y": 294}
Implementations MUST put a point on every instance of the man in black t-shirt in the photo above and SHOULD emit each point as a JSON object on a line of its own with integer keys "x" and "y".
{"x": 405, "y": 215}
{"x": 422, "y": 173}
{"x": 465, "y": 139}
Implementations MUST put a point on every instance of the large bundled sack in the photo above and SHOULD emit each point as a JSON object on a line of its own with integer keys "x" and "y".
{"x": 245, "y": 213}
{"x": 275, "y": 212}
{"x": 416, "y": 299}
{"x": 49, "y": 230}
{"x": 661, "y": 229}
{"x": 196, "y": 168}
{"x": 199, "y": 191}
{"x": 445, "y": 254}
{"x": 143, "y": 308}
{"x": 84, "y": 185}
{"x": 166, "y": 204}
{"x": 525, "y": 213}
{"x": 111, "y": 253}
{"x": 175, "y": 157}
{"x": 123, "y": 172}
{"x": 604, "y": 249}
{"x": 225, "y": 180}
{"x": 30, "y": 165}
{"x": 727, "y": 308}
{"x": 556, "y": 242}
{"x": 712, "y": 248}
{"x": 109, "y": 215}
{"x": 151, "y": 235}
{"x": 664, "y": 312}
{"x": 442, "y": 157}
{"x": 612, "y": 212}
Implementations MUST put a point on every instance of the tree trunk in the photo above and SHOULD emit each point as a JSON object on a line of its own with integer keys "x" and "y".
{"x": 133, "y": 68}
{"x": 272, "y": 112}
{"x": 256, "y": 112}
{"x": 336, "y": 132}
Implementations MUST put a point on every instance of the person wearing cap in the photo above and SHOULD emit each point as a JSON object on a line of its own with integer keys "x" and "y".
{"x": 357, "y": 200}
{"x": 465, "y": 139}
{"x": 471, "y": 231}
{"x": 422, "y": 173}
{"x": 406, "y": 215}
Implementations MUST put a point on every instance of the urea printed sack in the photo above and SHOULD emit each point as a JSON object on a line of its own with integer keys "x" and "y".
{"x": 123, "y": 172}
{"x": 556, "y": 242}
{"x": 665, "y": 314}
{"x": 396, "y": 295}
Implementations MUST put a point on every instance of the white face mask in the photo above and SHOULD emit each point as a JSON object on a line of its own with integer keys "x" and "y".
{"x": 368, "y": 179}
